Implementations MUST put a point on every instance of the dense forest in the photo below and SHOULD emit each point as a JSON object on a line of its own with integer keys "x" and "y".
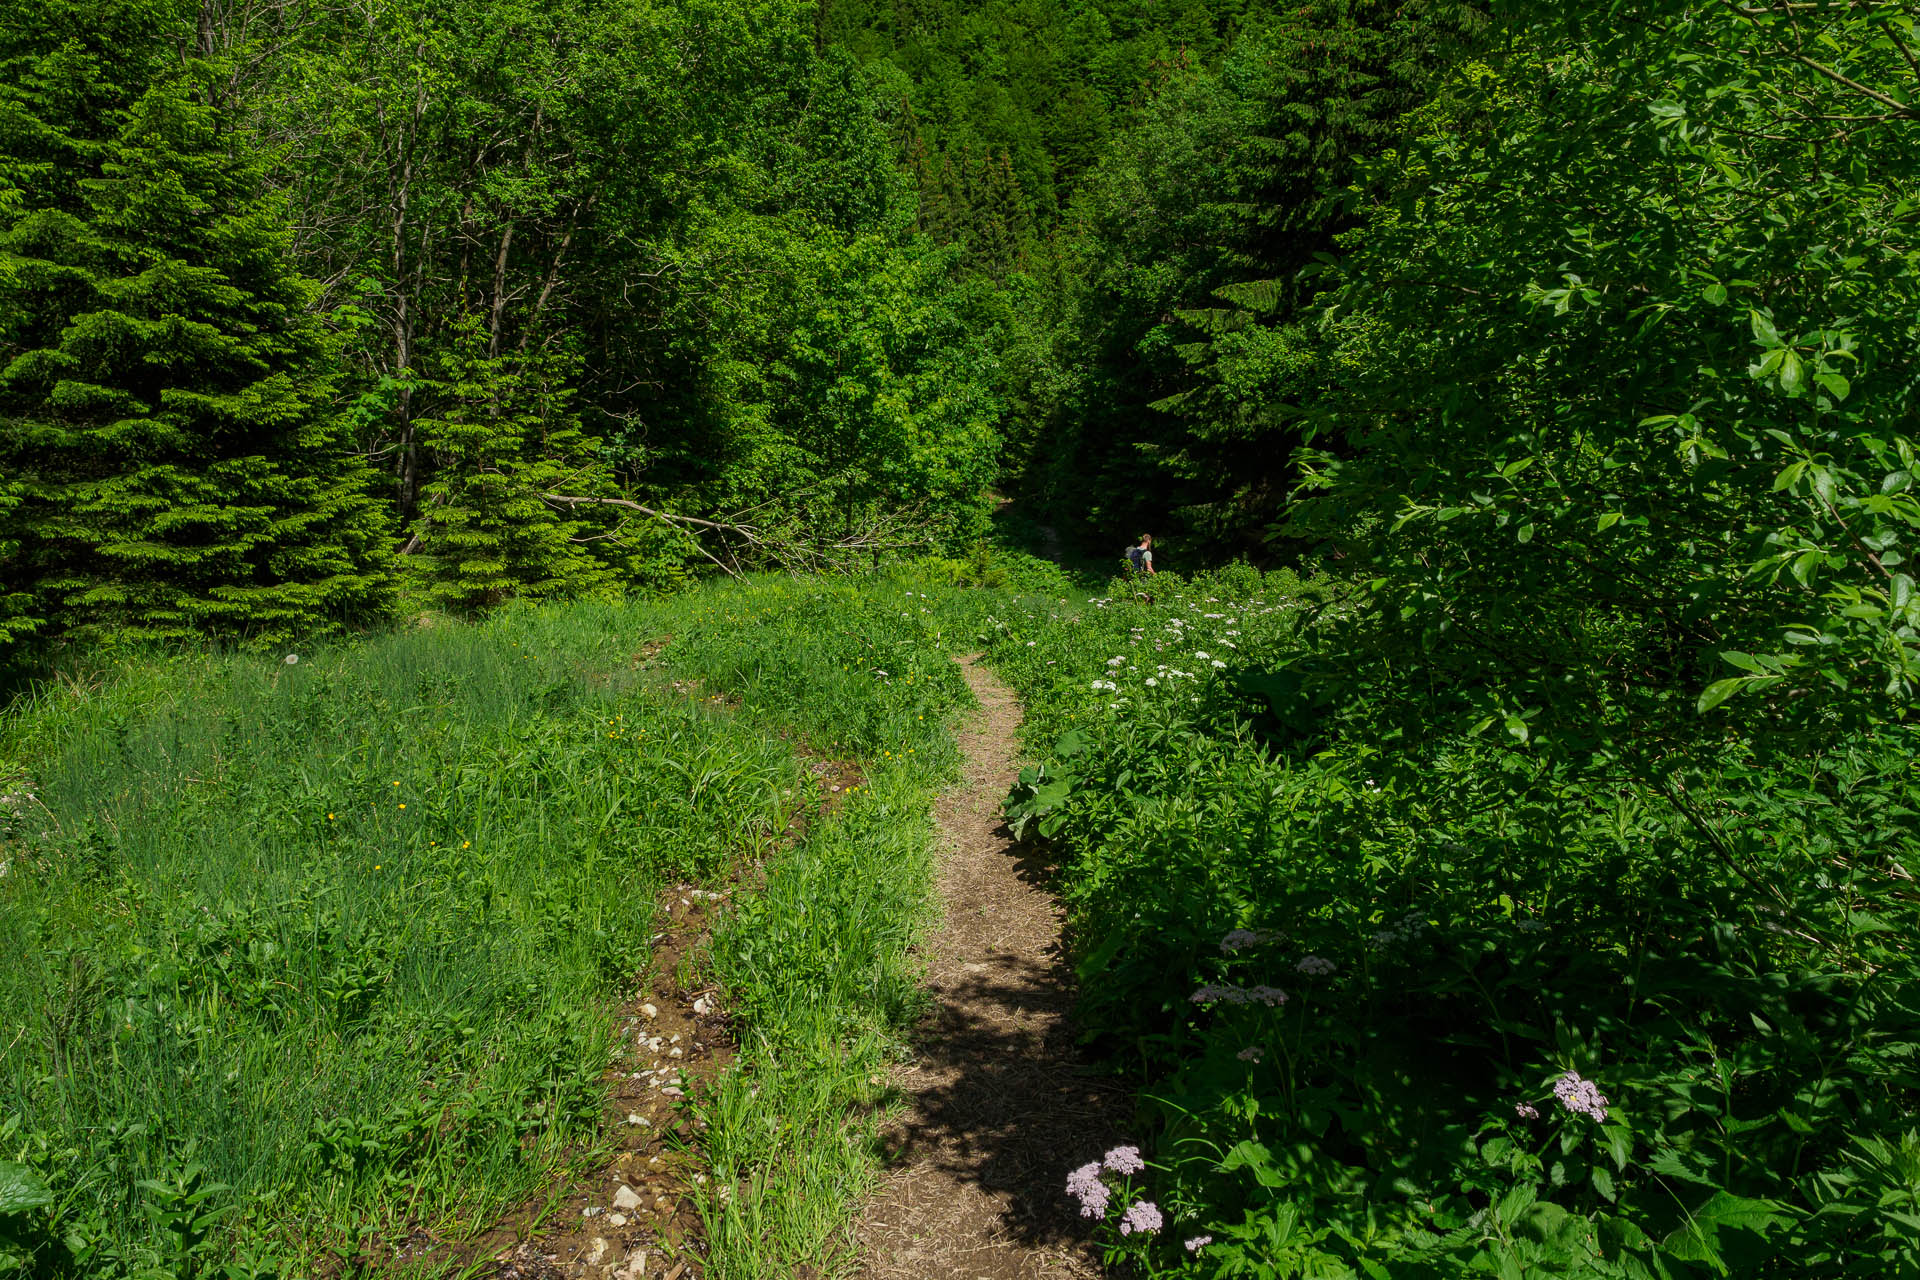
{"x": 314, "y": 315}
{"x": 1487, "y": 844}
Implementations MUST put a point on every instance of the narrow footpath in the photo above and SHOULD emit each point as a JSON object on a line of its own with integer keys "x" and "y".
{"x": 1000, "y": 1103}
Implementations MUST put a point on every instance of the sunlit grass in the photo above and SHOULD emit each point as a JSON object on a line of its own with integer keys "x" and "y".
{"x": 351, "y": 925}
{"x": 348, "y": 930}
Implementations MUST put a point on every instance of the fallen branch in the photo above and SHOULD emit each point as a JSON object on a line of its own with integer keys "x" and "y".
{"x": 572, "y": 500}
{"x": 895, "y": 531}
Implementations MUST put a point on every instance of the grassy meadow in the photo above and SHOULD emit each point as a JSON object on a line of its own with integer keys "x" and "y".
{"x": 336, "y": 935}
{"x": 318, "y": 948}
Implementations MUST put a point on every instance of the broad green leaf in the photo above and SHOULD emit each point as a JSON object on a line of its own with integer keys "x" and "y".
{"x": 1718, "y": 692}
{"x": 1698, "y": 1240}
{"x": 21, "y": 1189}
{"x": 1793, "y": 373}
{"x": 1257, "y": 1160}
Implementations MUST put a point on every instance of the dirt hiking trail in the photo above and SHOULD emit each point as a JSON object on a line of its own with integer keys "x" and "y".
{"x": 1001, "y": 1106}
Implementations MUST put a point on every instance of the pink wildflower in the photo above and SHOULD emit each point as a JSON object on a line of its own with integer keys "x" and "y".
{"x": 1196, "y": 1243}
{"x": 1125, "y": 1160}
{"x": 1526, "y": 1111}
{"x": 1084, "y": 1185}
{"x": 1144, "y": 1216}
{"x": 1581, "y": 1096}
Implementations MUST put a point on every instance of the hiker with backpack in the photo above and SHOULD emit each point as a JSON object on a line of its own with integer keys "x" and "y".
{"x": 1140, "y": 555}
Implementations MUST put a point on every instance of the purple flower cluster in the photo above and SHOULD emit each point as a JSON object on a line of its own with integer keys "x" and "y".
{"x": 1315, "y": 966}
{"x": 1084, "y": 1185}
{"x": 1144, "y": 1216}
{"x": 1526, "y": 1111}
{"x": 1196, "y": 1243}
{"x": 1581, "y": 1096}
{"x": 1214, "y": 993}
{"x": 1241, "y": 939}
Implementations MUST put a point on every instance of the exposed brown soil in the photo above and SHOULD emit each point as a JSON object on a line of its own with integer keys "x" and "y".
{"x": 1001, "y": 1105}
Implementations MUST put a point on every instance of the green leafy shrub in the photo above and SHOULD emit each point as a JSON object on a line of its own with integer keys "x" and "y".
{"x": 1424, "y": 1006}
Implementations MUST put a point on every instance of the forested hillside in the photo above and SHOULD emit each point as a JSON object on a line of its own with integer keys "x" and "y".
{"x": 1486, "y": 844}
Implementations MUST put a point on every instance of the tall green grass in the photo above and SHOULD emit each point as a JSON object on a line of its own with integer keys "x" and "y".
{"x": 816, "y": 963}
{"x": 313, "y": 953}
{"x": 338, "y": 937}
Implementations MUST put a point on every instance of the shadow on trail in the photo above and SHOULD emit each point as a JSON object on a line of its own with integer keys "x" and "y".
{"x": 1004, "y": 1097}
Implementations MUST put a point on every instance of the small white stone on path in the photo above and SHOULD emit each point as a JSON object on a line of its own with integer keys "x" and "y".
{"x": 626, "y": 1198}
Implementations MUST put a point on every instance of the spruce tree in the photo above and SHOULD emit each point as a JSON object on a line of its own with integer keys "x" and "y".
{"x": 501, "y": 437}
{"x": 163, "y": 387}
{"x": 19, "y": 616}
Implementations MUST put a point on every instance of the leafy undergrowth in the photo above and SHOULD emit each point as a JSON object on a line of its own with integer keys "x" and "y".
{"x": 305, "y": 950}
{"x": 1410, "y": 1001}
